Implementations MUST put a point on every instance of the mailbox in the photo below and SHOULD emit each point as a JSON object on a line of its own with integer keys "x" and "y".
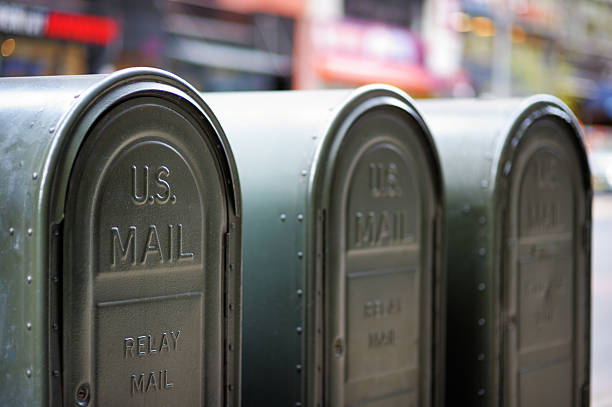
{"x": 342, "y": 211}
{"x": 121, "y": 242}
{"x": 518, "y": 267}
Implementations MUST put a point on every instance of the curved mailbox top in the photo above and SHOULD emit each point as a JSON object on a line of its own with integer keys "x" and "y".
{"x": 518, "y": 268}
{"x": 342, "y": 201}
{"x": 121, "y": 242}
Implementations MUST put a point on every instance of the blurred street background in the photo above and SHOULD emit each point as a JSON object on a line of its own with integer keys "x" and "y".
{"x": 429, "y": 48}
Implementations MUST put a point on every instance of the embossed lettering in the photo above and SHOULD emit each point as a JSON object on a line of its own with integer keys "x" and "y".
{"x": 546, "y": 173}
{"x": 542, "y": 215}
{"x": 544, "y": 292}
{"x": 384, "y": 180}
{"x": 140, "y": 189}
{"x": 380, "y": 309}
{"x": 130, "y": 245}
{"x": 128, "y": 347}
{"x": 156, "y": 380}
{"x": 138, "y": 383}
{"x": 380, "y": 338}
{"x": 182, "y": 255}
{"x": 380, "y": 229}
{"x": 162, "y": 173}
{"x": 146, "y": 345}
{"x": 140, "y": 199}
{"x": 123, "y": 252}
{"x": 152, "y": 382}
{"x": 152, "y": 246}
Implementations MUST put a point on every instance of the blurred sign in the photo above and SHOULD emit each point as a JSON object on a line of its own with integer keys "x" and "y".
{"x": 40, "y": 22}
{"x": 361, "y": 52}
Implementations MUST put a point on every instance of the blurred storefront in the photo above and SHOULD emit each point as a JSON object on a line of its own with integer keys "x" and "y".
{"x": 519, "y": 47}
{"x": 38, "y": 40}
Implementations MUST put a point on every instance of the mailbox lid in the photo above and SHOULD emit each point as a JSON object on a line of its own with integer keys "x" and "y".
{"x": 52, "y": 115}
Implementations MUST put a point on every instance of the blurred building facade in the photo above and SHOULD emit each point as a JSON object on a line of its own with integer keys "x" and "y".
{"x": 426, "y": 47}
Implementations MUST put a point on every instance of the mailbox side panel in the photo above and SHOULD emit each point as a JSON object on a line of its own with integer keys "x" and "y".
{"x": 468, "y": 136}
{"x": 30, "y": 110}
{"x": 274, "y": 137}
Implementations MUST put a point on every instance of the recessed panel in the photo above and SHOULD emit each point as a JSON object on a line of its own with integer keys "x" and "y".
{"x": 382, "y": 286}
{"x": 148, "y": 350}
{"x": 545, "y": 281}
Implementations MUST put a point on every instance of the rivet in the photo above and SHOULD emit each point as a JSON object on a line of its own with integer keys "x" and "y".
{"x": 300, "y": 292}
{"x": 29, "y": 279}
{"x": 481, "y": 356}
{"x": 298, "y": 367}
{"x": 76, "y": 96}
{"x": 298, "y": 404}
{"x": 481, "y": 287}
{"x": 29, "y": 326}
{"x": 300, "y": 217}
{"x": 484, "y": 183}
{"x": 30, "y": 231}
{"x": 481, "y": 392}
{"x": 55, "y": 327}
{"x": 298, "y": 330}
{"x": 283, "y": 217}
{"x": 466, "y": 209}
{"x": 481, "y": 322}
{"x": 230, "y": 347}
{"x": 482, "y": 251}
{"x": 11, "y": 231}
{"x": 55, "y": 279}
{"x": 482, "y": 220}
{"x": 52, "y": 129}
{"x": 304, "y": 172}
{"x": 56, "y": 373}
{"x": 300, "y": 255}
{"x": 35, "y": 175}
{"x": 230, "y": 387}
{"x": 230, "y": 306}
{"x": 28, "y": 372}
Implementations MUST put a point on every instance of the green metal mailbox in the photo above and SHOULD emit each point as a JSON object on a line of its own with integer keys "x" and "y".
{"x": 342, "y": 211}
{"x": 120, "y": 277}
{"x": 518, "y": 266}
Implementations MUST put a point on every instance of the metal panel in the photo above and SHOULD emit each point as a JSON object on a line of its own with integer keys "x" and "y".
{"x": 339, "y": 295}
{"x": 135, "y": 251}
{"x": 518, "y": 263}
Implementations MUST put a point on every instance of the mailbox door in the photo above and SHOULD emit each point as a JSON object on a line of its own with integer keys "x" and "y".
{"x": 146, "y": 218}
{"x": 544, "y": 305}
{"x": 380, "y": 272}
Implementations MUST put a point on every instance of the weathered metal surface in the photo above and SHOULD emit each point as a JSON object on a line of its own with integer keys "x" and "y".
{"x": 121, "y": 242}
{"x": 518, "y": 267}
{"x": 342, "y": 211}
